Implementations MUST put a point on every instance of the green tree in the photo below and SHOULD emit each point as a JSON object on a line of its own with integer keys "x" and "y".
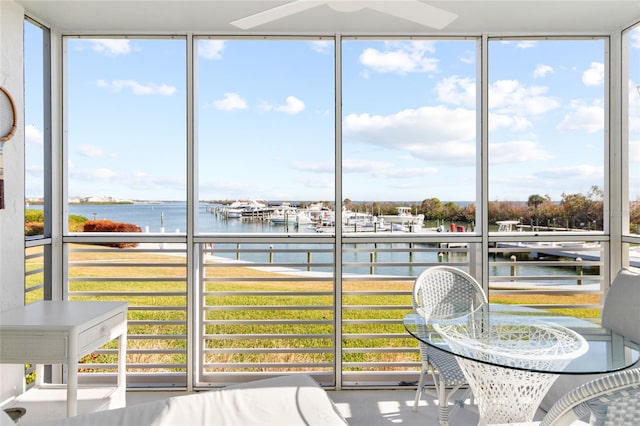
{"x": 634, "y": 216}
{"x": 536, "y": 200}
{"x": 432, "y": 209}
{"x": 583, "y": 211}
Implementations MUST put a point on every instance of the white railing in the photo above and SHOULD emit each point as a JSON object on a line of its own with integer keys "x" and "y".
{"x": 234, "y": 308}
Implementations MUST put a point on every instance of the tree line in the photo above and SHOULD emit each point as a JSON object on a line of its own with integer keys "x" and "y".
{"x": 573, "y": 211}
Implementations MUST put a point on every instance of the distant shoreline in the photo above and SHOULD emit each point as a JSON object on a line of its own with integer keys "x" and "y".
{"x": 90, "y": 203}
{"x": 35, "y": 201}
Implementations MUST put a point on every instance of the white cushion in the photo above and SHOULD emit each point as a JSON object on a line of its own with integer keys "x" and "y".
{"x": 574, "y": 423}
{"x": 280, "y": 401}
{"x": 620, "y": 312}
{"x": 621, "y": 306}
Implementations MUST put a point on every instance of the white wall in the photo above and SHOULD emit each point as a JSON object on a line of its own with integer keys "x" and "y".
{"x": 12, "y": 216}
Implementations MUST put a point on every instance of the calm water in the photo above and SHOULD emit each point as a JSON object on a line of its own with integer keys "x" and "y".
{"x": 172, "y": 217}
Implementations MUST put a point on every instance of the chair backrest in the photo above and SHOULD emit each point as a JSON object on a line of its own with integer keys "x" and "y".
{"x": 613, "y": 399}
{"x": 445, "y": 292}
{"x": 620, "y": 311}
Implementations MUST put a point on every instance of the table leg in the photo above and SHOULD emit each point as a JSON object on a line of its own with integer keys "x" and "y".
{"x": 122, "y": 360}
{"x": 72, "y": 376}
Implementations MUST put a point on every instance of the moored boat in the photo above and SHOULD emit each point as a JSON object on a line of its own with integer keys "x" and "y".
{"x": 404, "y": 217}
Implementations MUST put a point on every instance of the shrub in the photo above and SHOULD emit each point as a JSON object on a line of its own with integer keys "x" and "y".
{"x": 33, "y": 228}
{"x": 33, "y": 216}
{"x": 76, "y": 222}
{"x": 109, "y": 226}
{"x": 34, "y": 222}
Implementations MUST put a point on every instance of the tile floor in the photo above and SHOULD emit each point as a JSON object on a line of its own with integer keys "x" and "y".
{"x": 359, "y": 407}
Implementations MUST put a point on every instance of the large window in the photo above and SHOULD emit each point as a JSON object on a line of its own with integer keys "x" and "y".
{"x": 409, "y": 129}
{"x": 263, "y": 282}
{"x": 633, "y": 72}
{"x": 126, "y": 131}
{"x": 265, "y": 131}
{"x": 37, "y": 160}
{"x": 34, "y": 150}
{"x": 546, "y": 133}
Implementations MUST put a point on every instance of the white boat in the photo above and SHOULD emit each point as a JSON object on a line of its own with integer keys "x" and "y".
{"x": 257, "y": 210}
{"x": 247, "y": 209}
{"x": 357, "y": 218}
{"x": 404, "y": 217}
{"x": 359, "y": 221}
{"x": 304, "y": 218}
{"x": 234, "y": 210}
{"x": 286, "y": 214}
{"x": 508, "y": 225}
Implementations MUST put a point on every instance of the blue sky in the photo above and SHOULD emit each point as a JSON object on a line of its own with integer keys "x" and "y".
{"x": 265, "y": 114}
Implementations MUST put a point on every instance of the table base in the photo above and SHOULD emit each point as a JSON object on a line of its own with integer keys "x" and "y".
{"x": 505, "y": 395}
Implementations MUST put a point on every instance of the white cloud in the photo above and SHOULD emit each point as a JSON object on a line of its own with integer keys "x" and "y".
{"x": 210, "y": 49}
{"x": 542, "y": 71}
{"x": 517, "y": 152}
{"x": 401, "y": 58}
{"x": 130, "y": 182}
{"x": 95, "y": 174}
{"x": 322, "y": 182}
{"x": 522, "y": 44}
{"x": 138, "y": 88}
{"x": 231, "y": 187}
{"x": 36, "y": 171}
{"x": 594, "y": 76}
{"x": 588, "y": 118}
{"x": 230, "y": 102}
{"x": 313, "y": 167}
{"x": 397, "y": 172}
{"x": 111, "y": 47}
{"x": 145, "y": 182}
{"x": 457, "y": 91}
{"x": 322, "y": 46}
{"x": 385, "y": 169}
{"x": 468, "y": 57}
{"x": 364, "y": 166}
{"x": 513, "y": 122}
{"x": 426, "y": 133}
{"x": 292, "y": 106}
{"x": 33, "y": 135}
{"x": 526, "y": 44}
{"x": 512, "y": 98}
{"x": 634, "y": 106}
{"x": 318, "y": 182}
{"x": 634, "y": 151}
{"x": 92, "y": 151}
{"x": 635, "y": 39}
{"x": 581, "y": 172}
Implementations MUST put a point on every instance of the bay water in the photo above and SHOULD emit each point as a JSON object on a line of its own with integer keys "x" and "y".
{"x": 170, "y": 217}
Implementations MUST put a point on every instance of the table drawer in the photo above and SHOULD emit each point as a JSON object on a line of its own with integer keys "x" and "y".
{"x": 94, "y": 337}
{"x": 33, "y": 347}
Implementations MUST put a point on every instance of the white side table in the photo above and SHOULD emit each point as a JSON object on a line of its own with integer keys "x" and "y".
{"x": 52, "y": 332}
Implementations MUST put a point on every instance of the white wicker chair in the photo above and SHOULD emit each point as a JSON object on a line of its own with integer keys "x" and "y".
{"x": 613, "y": 399}
{"x": 610, "y": 400}
{"x": 444, "y": 292}
{"x": 620, "y": 313}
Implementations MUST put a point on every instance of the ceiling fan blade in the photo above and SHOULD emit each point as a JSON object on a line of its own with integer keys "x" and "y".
{"x": 276, "y": 13}
{"x": 415, "y": 11}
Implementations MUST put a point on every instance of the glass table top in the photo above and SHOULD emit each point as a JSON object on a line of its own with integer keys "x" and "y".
{"x": 524, "y": 338}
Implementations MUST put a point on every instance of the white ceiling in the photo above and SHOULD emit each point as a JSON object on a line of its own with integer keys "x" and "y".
{"x": 502, "y": 17}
